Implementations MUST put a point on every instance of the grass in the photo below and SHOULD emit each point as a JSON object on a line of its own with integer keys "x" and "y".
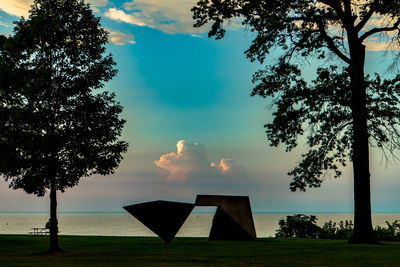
{"x": 18, "y": 250}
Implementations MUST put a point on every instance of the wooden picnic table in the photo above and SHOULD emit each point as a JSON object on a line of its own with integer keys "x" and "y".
{"x": 37, "y": 231}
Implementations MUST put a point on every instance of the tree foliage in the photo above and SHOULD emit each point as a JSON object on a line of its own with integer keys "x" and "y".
{"x": 54, "y": 61}
{"x": 320, "y": 109}
{"x": 343, "y": 111}
{"x": 298, "y": 226}
{"x": 55, "y": 128}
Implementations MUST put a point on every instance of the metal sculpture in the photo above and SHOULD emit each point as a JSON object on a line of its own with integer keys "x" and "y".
{"x": 233, "y": 219}
{"x": 164, "y": 218}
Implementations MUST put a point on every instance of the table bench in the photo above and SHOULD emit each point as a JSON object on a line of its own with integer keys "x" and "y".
{"x": 38, "y": 231}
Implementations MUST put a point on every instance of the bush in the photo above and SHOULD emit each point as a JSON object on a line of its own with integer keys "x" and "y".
{"x": 298, "y": 225}
{"x": 304, "y": 226}
{"x": 391, "y": 233}
{"x": 332, "y": 230}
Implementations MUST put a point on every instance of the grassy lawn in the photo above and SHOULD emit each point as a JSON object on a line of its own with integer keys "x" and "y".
{"x": 151, "y": 251}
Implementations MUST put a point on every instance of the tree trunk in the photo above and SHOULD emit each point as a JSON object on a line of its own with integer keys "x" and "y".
{"x": 362, "y": 194}
{"x": 54, "y": 247}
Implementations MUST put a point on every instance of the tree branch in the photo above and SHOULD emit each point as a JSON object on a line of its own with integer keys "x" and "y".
{"x": 367, "y": 16}
{"x": 347, "y": 7}
{"x": 331, "y": 138}
{"x": 383, "y": 29}
{"x": 336, "y": 5}
{"x": 331, "y": 44}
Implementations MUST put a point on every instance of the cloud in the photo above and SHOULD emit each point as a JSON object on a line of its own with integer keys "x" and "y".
{"x": 4, "y": 24}
{"x": 120, "y": 38}
{"x": 189, "y": 170}
{"x": 382, "y": 43}
{"x": 381, "y": 46}
{"x": 229, "y": 167}
{"x": 16, "y": 7}
{"x": 21, "y": 7}
{"x": 98, "y": 2}
{"x": 189, "y": 158}
{"x": 189, "y": 164}
{"x": 120, "y": 15}
{"x": 172, "y": 16}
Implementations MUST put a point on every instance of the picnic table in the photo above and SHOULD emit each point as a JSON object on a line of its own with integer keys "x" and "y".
{"x": 37, "y": 231}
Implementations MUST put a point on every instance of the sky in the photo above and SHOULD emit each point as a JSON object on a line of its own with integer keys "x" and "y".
{"x": 192, "y": 126}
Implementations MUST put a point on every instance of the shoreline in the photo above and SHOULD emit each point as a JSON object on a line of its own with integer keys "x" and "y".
{"x": 123, "y": 224}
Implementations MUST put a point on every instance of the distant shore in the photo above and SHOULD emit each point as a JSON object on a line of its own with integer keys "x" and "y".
{"x": 123, "y": 224}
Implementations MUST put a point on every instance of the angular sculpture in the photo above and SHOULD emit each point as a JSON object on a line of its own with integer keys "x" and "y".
{"x": 233, "y": 219}
{"x": 164, "y": 218}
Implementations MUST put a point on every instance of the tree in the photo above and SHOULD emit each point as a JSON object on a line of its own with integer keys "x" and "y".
{"x": 55, "y": 128}
{"x": 342, "y": 111}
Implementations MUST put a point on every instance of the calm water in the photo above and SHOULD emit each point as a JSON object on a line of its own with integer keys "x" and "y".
{"x": 123, "y": 224}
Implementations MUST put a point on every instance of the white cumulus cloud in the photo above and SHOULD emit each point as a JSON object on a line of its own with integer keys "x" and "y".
{"x": 189, "y": 158}
{"x": 229, "y": 167}
{"x": 190, "y": 161}
{"x": 120, "y": 15}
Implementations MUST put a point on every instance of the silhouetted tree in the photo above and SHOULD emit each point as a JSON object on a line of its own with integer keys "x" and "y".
{"x": 341, "y": 111}
{"x": 55, "y": 128}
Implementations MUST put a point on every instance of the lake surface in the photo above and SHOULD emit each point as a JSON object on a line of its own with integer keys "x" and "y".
{"x": 123, "y": 224}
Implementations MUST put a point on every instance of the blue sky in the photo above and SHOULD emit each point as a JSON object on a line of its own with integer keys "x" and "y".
{"x": 176, "y": 84}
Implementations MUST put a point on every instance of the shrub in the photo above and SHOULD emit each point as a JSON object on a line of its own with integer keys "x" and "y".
{"x": 304, "y": 226}
{"x": 332, "y": 230}
{"x": 298, "y": 225}
{"x": 391, "y": 233}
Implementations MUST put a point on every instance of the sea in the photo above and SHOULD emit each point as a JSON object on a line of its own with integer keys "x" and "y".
{"x": 198, "y": 224}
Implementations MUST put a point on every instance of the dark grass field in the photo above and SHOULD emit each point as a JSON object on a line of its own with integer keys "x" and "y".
{"x": 18, "y": 250}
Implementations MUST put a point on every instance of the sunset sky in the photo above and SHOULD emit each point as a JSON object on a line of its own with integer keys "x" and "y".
{"x": 191, "y": 123}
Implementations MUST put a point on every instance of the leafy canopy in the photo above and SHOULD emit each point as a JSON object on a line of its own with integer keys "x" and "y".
{"x": 54, "y": 127}
{"x": 320, "y": 109}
